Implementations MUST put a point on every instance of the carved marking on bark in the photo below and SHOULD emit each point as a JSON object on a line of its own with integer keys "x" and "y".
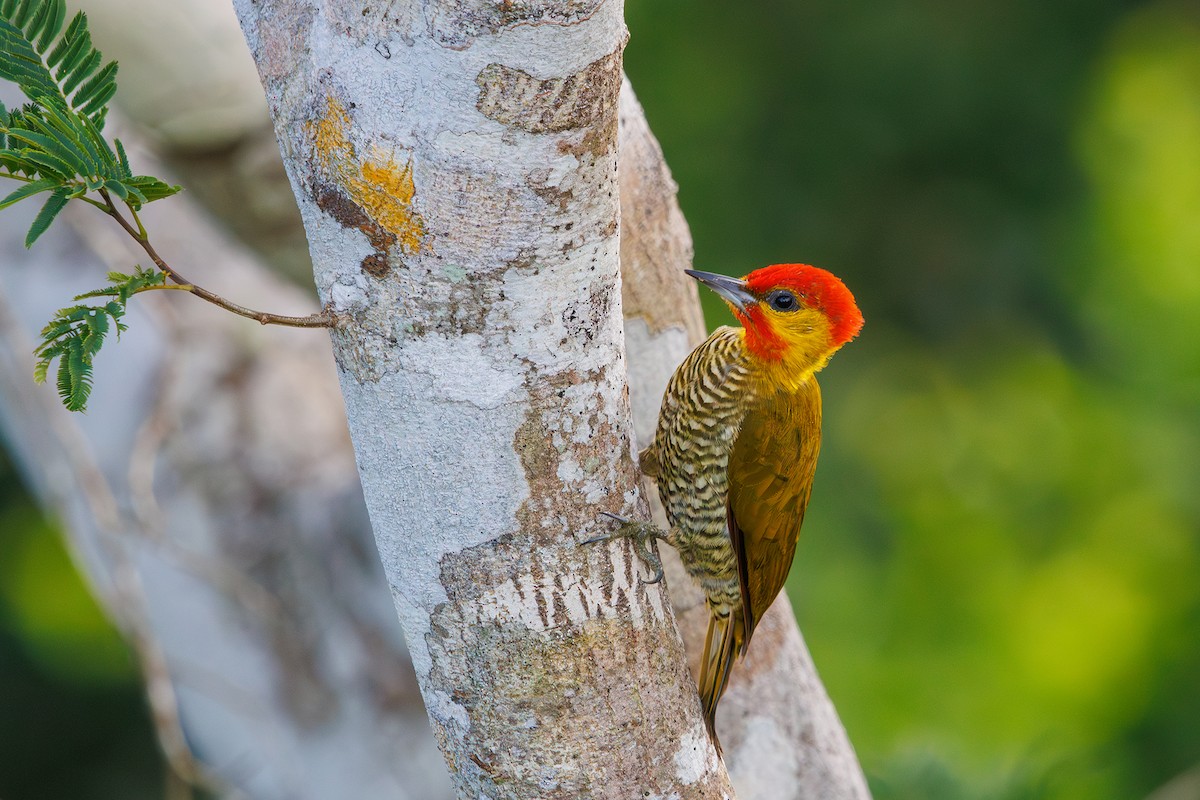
{"x": 375, "y": 21}
{"x": 379, "y": 185}
{"x": 456, "y": 23}
{"x": 587, "y": 99}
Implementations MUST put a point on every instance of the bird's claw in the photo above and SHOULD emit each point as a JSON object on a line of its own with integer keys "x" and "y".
{"x": 642, "y": 535}
{"x": 658, "y": 576}
{"x": 604, "y": 537}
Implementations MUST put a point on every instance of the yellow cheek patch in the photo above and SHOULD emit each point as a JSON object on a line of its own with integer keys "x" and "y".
{"x": 379, "y": 185}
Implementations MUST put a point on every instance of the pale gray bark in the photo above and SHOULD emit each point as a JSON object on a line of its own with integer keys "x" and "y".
{"x": 455, "y": 165}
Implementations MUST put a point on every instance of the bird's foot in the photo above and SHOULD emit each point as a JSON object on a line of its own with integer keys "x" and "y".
{"x": 642, "y": 535}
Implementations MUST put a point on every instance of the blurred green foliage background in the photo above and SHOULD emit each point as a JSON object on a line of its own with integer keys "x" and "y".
{"x": 1000, "y": 572}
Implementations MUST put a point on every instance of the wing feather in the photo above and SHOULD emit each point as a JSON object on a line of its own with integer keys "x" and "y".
{"x": 770, "y": 480}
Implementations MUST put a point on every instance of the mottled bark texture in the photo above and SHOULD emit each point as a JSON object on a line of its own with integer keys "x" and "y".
{"x": 209, "y": 495}
{"x": 782, "y": 736}
{"x": 455, "y": 164}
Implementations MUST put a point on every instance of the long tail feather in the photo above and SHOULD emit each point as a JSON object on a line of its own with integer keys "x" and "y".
{"x": 721, "y": 646}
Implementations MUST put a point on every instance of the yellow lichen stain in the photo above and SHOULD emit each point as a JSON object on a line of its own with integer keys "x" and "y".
{"x": 381, "y": 187}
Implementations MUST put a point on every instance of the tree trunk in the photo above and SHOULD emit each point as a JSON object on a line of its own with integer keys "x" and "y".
{"x": 781, "y": 734}
{"x": 455, "y": 165}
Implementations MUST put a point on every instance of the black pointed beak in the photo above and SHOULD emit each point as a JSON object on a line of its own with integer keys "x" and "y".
{"x": 732, "y": 290}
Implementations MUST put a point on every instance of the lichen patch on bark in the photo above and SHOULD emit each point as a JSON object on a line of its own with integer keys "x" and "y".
{"x": 338, "y": 205}
{"x": 381, "y": 184}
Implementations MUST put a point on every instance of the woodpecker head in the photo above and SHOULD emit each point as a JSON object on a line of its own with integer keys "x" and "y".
{"x": 796, "y": 316}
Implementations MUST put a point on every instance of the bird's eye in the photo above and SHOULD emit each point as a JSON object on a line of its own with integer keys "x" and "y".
{"x": 782, "y": 301}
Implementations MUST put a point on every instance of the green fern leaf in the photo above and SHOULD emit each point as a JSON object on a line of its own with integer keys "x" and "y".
{"x": 107, "y": 291}
{"x": 151, "y": 188}
{"x": 76, "y": 130}
{"x": 34, "y": 19}
{"x": 122, "y": 159}
{"x": 23, "y": 11}
{"x": 141, "y": 279}
{"x": 58, "y": 147}
{"x": 57, "y": 14}
{"x": 117, "y": 188}
{"x": 54, "y": 204}
{"x": 97, "y": 328}
{"x": 79, "y": 21}
{"x": 96, "y": 145}
{"x": 76, "y": 334}
{"x": 63, "y": 379}
{"x": 33, "y": 162}
{"x": 136, "y": 198}
{"x": 88, "y": 64}
{"x": 20, "y": 63}
{"x": 40, "y": 20}
{"x": 53, "y": 330}
{"x": 40, "y": 369}
{"x": 37, "y": 163}
{"x": 98, "y": 89}
{"x": 28, "y": 190}
{"x": 51, "y": 72}
{"x": 76, "y": 51}
{"x": 78, "y": 383}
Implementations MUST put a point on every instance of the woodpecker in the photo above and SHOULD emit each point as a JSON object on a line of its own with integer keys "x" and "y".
{"x": 736, "y": 447}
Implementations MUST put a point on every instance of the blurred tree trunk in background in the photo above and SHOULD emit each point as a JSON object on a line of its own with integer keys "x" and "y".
{"x": 263, "y": 610}
{"x": 210, "y": 496}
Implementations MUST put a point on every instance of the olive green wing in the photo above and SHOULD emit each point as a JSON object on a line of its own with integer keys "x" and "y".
{"x": 770, "y": 479}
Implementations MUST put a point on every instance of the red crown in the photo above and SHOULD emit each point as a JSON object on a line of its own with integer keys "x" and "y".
{"x": 818, "y": 289}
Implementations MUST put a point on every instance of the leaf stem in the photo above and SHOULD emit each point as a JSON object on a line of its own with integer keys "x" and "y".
{"x": 142, "y": 235}
{"x": 322, "y": 319}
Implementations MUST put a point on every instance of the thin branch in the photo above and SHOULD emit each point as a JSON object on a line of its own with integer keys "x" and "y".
{"x": 178, "y": 287}
{"x": 322, "y": 319}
